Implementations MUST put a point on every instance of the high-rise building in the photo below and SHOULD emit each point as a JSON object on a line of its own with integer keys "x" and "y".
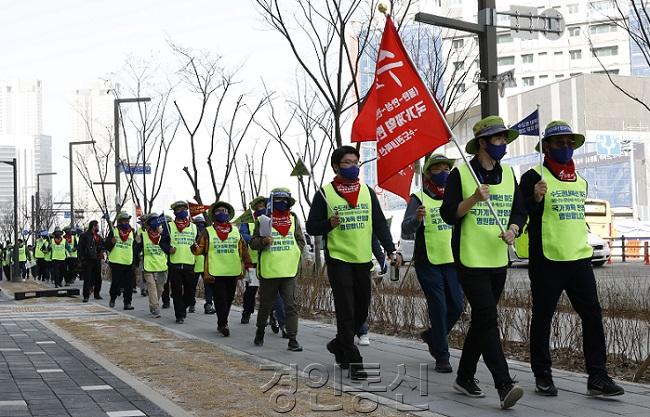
{"x": 7, "y": 153}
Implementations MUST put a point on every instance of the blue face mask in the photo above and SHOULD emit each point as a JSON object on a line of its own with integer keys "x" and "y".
{"x": 182, "y": 214}
{"x": 440, "y": 178}
{"x": 258, "y": 213}
{"x": 496, "y": 152}
{"x": 280, "y": 206}
{"x": 124, "y": 226}
{"x": 350, "y": 173}
{"x": 562, "y": 155}
{"x": 221, "y": 217}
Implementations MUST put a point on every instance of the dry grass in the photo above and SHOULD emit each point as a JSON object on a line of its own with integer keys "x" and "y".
{"x": 199, "y": 376}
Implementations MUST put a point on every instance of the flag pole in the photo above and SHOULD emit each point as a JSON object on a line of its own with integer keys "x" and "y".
{"x": 541, "y": 152}
{"x": 320, "y": 189}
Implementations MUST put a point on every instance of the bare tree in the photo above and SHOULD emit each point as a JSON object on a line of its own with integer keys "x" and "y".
{"x": 250, "y": 178}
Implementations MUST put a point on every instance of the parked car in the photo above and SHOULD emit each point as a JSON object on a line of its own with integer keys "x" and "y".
{"x": 602, "y": 252}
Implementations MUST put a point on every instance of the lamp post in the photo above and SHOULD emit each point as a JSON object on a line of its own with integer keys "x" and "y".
{"x": 38, "y": 196}
{"x": 116, "y": 128}
{"x": 15, "y": 271}
{"x": 71, "y": 144}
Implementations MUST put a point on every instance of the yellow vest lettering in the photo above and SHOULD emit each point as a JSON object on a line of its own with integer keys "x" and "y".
{"x": 282, "y": 258}
{"x": 182, "y": 241}
{"x": 122, "y": 252}
{"x": 437, "y": 233}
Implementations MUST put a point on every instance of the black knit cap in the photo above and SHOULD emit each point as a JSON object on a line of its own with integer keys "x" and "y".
{"x": 339, "y": 153}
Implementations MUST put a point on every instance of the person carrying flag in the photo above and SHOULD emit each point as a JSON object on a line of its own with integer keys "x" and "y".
{"x": 257, "y": 207}
{"x": 225, "y": 253}
{"x": 560, "y": 260}
{"x": 199, "y": 265}
{"x": 278, "y": 263}
{"x": 347, "y": 213}
{"x": 22, "y": 258}
{"x": 481, "y": 250}
{"x": 433, "y": 258}
{"x": 120, "y": 242}
{"x": 178, "y": 242}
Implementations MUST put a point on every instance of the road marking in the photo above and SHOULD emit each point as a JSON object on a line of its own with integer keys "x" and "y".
{"x": 96, "y": 387}
{"x": 128, "y": 413}
{"x": 14, "y": 403}
{"x": 46, "y": 342}
{"x": 10, "y": 350}
{"x": 48, "y": 371}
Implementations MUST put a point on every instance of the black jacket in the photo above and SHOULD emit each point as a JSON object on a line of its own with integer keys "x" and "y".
{"x": 88, "y": 248}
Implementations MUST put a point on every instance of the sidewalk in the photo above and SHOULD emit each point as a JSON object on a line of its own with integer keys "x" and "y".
{"x": 406, "y": 373}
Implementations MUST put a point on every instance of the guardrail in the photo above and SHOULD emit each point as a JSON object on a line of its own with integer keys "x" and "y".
{"x": 630, "y": 248}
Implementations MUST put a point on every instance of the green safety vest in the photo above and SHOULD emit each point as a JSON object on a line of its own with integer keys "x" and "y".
{"x": 253, "y": 253}
{"x": 437, "y": 233}
{"x": 282, "y": 258}
{"x": 58, "y": 250}
{"x": 223, "y": 256}
{"x": 183, "y": 242}
{"x": 155, "y": 260}
{"x": 480, "y": 244}
{"x": 22, "y": 254}
{"x": 122, "y": 252}
{"x": 48, "y": 254}
{"x": 521, "y": 244}
{"x": 38, "y": 252}
{"x": 199, "y": 264}
{"x": 72, "y": 253}
{"x": 564, "y": 230}
{"x": 351, "y": 241}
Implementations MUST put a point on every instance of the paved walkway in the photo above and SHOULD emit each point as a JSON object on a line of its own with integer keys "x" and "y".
{"x": 406, "y": 374}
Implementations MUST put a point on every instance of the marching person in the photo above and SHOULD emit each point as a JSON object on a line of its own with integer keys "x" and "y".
{"x": 22, "y": 258}
{"x": 120, "y": 244}
{"x": 165, "y": 293}
{"x": 91, "y": 247}
{"x": 433, "y": 258}
{"x": 178, "y": 241}
{"x": 257, "y": 207}
{"x": 6, "y": 260}
{"x": 481, "y": 250}
{"x": 347, "y": 217}
{"x": 226, "y": 253}
{"x": 560, "y": 260}
{"x": 154, "y": 261}
{"x": 42, "y": 243}
{"x": 278, "y": 264}
{"x": 58, "y": 256}
{"x": 199, "y": 266}
{"x": 72, "y": 246}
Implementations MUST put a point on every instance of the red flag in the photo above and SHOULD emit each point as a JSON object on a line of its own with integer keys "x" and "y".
{"x": 196, "y": 209}
{"x": 400, "y": 114}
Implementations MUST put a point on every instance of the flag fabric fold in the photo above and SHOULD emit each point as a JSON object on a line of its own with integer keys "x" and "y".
{"x": 529, "y": 125}
{"x": 400, "y": 115}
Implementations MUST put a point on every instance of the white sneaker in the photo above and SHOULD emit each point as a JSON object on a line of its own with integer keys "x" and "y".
{"x": 364, "y": 340}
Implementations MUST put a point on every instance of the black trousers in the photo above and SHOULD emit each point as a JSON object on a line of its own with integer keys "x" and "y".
{"x": 122, "y": 278}
{"x": 180, "y": 282}
{"x": 165, "y": 293}
{"x": 7, "y": 271}
{"x": 42, "y": 267}
{"x": 351, "y": 289}
{"x": 23, "y": 269}
{"x": 483, "y": 287}
{"x": 249, "y": 299}
{"x": 92, "y": 276}
{"x": 70, "y": 270}
{"x": 223, "y": 290}
{"x": 548, "y": 279}
{"x": 57, "y": 269}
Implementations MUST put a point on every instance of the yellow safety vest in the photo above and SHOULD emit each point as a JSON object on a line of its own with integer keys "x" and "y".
{"x": 223, "y": 256}
{"x": 564, "y": 230}
{"x": 182, "y": 241}
{"x": 72, "y": 253}
{"x": 122, "y": 252}
{"x": 480, "y": 244}
{"x": 350, "y": 241}
{"x": 521, "y": 244}
{"x": 22, "y": 254}
{"x": 437, "y": 233}
{"x": 253, "y": 253}
{"x": 58, "y": 250}
{"x": 282, "y": 258}
{"x": 38, "y": 252}
{"x": 155, "y": 260}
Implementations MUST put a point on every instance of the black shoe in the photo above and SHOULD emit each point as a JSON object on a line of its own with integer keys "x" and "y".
{"x": 357, "y": 373}
{"x": 425, "y": 338}
{"x": 99, "y": 297}
{"x": 603, "y": 386}
{"x": 259, "y": 338}
{"x": 85, "y": 300}
{"x": 128, "y": 307}
{"x": 245, "y": 318}
{"x": 468, "y": 387}
{"x": 544, "y": 385}
{"x": 208, "y": 309}
{"x": 111, "y": 303}
{"x": 338, "y": 356}
{"x": 143, "y": 292}
{"x": 275, "y": 328}
{"x": 284, "y": 332}
{"x": 443, "y": 367}
{"x": 165, "y": 305}
{"x": 225, "y": 331}
{"x": 192, "y": 309}
{"x": 509, "y": 394}
{"x": 180, "y": 320}
{"x": 294, "y": 346}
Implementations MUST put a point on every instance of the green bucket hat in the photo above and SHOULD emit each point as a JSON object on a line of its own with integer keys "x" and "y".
{"x": 179, "y": 203}
{"x": 437, "y": 158}
{"x": 282, "y": 192}
{"x": 257, "y": 200}
{"x": 145, "y": 218}
{"x": 123, "y": 215}
{"x": 231, "y": 209}
{"x": 561, "y": 128}
{"x": 486, "y": 127}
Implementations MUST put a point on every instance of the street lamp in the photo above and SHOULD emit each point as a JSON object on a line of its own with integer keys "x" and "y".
{"x": 116, "y": 125}
{"x": 38, "y": 196}
{"x": 15, "y": 272}
{"x": 71, "y": 144}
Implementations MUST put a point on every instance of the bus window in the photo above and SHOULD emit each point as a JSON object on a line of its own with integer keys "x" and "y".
{"x": 599, "y": 217}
